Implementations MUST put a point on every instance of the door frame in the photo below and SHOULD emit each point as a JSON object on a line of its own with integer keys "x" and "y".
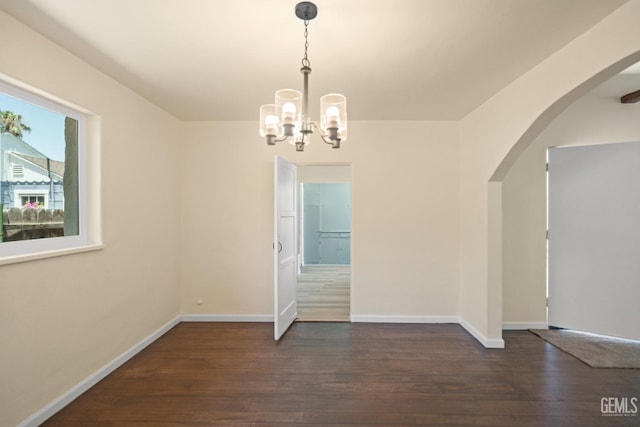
{"x": 352, "y": 209}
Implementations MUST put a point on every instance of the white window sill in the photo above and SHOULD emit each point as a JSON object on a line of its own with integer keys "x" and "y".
{"x": 49, "y": 254}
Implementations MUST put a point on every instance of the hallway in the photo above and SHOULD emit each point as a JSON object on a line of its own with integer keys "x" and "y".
{"x": 324, "y": 293}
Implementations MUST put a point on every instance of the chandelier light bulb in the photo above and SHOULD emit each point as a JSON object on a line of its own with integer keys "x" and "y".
{"x": 271, "y": 121}
{"x": 288, "y": 112}
{"x": 333, "y": 116}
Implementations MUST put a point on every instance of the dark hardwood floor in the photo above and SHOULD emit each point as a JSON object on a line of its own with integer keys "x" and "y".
{"x": 210, "y": 374}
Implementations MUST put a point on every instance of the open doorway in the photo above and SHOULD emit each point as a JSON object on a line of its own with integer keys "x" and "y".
{"x": 593, "y": 239}
{"x": 324, "y": 272}
{"x": 523, "y": 208}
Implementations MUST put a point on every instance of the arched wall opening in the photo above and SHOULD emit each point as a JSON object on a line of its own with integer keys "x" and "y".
{"x": 554, "y": 110}
{"x": 497, "y": 229}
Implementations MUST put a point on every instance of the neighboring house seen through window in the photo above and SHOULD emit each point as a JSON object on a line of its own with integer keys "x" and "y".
{"x": 41, "y": 174}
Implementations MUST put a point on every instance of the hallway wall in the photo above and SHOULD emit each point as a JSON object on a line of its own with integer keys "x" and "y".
{"x": 326, "y": 218}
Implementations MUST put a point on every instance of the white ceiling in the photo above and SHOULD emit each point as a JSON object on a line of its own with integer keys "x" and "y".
{"x": 393, "y": 59}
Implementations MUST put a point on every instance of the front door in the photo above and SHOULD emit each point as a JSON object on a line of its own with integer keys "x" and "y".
{"x": 594, "y": 238}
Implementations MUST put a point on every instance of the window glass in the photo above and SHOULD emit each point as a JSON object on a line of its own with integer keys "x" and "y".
{"x": 40, "y": 178}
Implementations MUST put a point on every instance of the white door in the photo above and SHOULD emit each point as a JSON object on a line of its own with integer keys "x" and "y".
{"x": 594, "y": 238}
{"x": 285, "y": 246}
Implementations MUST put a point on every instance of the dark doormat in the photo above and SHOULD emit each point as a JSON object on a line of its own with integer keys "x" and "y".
{"x": 595, "y": 350}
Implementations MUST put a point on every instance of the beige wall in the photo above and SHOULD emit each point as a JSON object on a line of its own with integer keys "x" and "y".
{"x": 323, "y": 173}
{"x": 61, "y": 319}
{"x": 597, "y": 118}
{"x": 404, "y": 215}
{"x": 502, "y": 127}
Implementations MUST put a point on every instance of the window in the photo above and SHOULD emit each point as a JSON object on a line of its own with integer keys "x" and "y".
{"x": 42, "y": 175}
{"x": 37, "y": 201}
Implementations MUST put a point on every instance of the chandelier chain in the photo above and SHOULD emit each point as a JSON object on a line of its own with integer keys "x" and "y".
{"x": 305, "y": 59}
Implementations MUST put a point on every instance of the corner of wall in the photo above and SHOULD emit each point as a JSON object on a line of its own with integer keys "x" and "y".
{"x": 486, "y": 342}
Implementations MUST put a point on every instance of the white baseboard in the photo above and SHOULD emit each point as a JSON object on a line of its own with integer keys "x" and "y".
{"x": 226, "y": 318}
{"x": 66, "y": 398}
{"x": 56, "y": 405}
{"x": 523, "y": 326}
{"x": 487, "y": 342}
{"x": 372, "y": 318}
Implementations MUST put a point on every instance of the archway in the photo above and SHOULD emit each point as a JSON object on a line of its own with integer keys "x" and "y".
{"x": 496, "y": 224}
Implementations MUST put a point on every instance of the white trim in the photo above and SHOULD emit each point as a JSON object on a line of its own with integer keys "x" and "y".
{"x": 373, "y": 318}
{"x": 57, "y": 404}
{"x": 50, "y": 253}
{"x": 39, "y": 97}
{"x": 523, "y": 326}
{"x": 226, "y": 318}
{"x": 487, "y": 342}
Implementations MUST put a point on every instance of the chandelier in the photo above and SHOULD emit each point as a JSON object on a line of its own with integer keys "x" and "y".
{"x": 288, "y": 119}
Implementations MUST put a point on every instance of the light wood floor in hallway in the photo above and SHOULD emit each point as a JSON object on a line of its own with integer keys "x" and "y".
{"x": 324, "y": 293}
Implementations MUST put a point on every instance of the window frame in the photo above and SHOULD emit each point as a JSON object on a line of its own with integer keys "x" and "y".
{"x": 25, "y": 250}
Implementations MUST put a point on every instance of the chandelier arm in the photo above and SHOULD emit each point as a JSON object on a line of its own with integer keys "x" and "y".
{"x": 271, "y": 139}
{"x": 328, "y": 141}
{"x": 334, "y": 143}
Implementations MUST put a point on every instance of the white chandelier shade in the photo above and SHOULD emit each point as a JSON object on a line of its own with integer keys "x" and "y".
{"x": 333, "y": 115}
